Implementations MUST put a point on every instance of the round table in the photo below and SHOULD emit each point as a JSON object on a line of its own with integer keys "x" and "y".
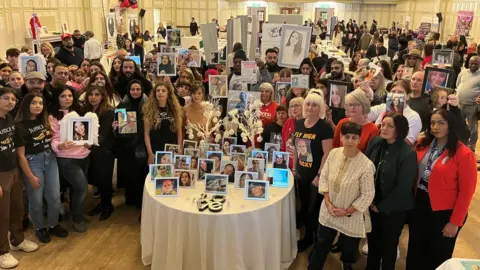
{"x": 459, "y": 264}
{"x": 247, "y": 234}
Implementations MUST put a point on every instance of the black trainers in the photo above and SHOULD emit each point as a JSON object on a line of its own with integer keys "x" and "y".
{"x": 95, "y": 211}
{"x": 58, "y": 231}
{"x": 106, "y": 214}
{"x": 43, "y": 236}
{"x": 304, "y": 244}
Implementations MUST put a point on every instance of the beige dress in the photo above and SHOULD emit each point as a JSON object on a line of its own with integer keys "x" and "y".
{"x": 349, "y": 182}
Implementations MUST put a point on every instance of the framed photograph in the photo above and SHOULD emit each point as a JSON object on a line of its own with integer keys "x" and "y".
{"x": 191, "y": 152}
{"x": 226, "y": 143}
{"x": 187, "y": 144}
{"x": 300, "y": 81}
{"x": 270, "y": 148}
{"x": 437, "y": 77}
{"x": 236, "y": 148}
{"x": 241, "y": 177}
{"x": 163, "y": 157}
{"x": 282, "y": 89}
{"x": 295, "y": 44}
{"x": 111, "y": 25}
{"x": 304, "y": 150}
{"x": 257, "y": 190}
{"x": 174, "y": 38}
{"x": 127, "y": 121}
{"x": 187, "y": 178}
{"x": 182, "y": 162}
{"x": 260, "y": 154}
{"x": 81, "y": 130}
{"x": 205, "y": 166}
{"x": 395, "y": 103}
{"x": 218, "y": 86}
{"x": 439, "y": 96}
{"x": 174, "y": 148}
{"x": 132, "y": 21}
{"x": 217, "y": 156}
{"x": 152, "y": 68}
{"x": 280, "y": 160}
{"x": 29, "y": 63}
{"x": 239, "y": 99}
{"x": 256, "y": 165}
{"x": 337, "y": 91}
{"x": 136, "y": 59}
{"x": 442, "y": 57}
{"x": 167, "y": 64}
{"x": 64, "y": 27}
{"x": 45, "y": 30}
{"x": 214, "y": 58}
{"x": 241, "y": 160}
{"x": 229, "y": 167}
{"x": 216, "y": 183}
{"x": 212, "y": 147}
{"x": 160, "y": 170}
{"x": 191, "y": 58}
{"x": 166, "y": 186}
{"x": 278, "y": 177}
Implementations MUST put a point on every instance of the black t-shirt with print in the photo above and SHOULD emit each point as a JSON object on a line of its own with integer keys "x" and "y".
{"x": 308, "y": 144}
{"x": 163, "y": 134}
{"x": 34, "y": 136}
{"x": 8, "y": 155}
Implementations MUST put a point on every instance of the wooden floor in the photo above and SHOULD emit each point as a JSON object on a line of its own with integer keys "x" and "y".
{"x": 115, "y": 243}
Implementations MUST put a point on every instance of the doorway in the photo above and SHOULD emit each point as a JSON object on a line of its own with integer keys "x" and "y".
{"x": 285, "y": 11}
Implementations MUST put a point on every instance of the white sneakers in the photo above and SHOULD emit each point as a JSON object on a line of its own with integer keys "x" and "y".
{"x": 365, "y": 250}
{"x": 8, "y": 261}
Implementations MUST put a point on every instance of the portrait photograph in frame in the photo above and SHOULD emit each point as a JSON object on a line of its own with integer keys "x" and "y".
{"x": 174, "y": 38}
{"x": 270, "y": 148}
{"x": 442, "y": 57}
{"x": 256, "y": 165}
{"x": 191, "y": 58}
{"x": 237, "y": 148}
{"x": 163, "y": 157}
{"x": 295, "y": 44}
{"x": 192, "y": 152}
{"x": 229, "y": 167}
{"x": 29, "y": 64}
{"x": 282, "y": 89}
{"x": 437, "y": 77}
{"x": 111, "y": 25}
{"x": 217, "y": 156}
{"x": 182, "y": 162}
{"x": 242, "y": 176}
{"x": 395, "y": 103}
{"x": 166, "y": 186}
{"x": 278, "y": 177}
{"x": 337, "y": 91}
{"x": 280, "y": 160}
{"x": 174, "y": 148}
{"x": 160, "y": 170}
{"x": 257, "y": 190}
{"x": 218, "y": 85}
{"x": 167, "y": 64}
{"x": 216, "y": 183}
{"x": 187, "y": 144}
{"x": 80, "y": 130}
{"x": 260, "y": 154}
{"x": 205, "y": 166}
{"x": 241, "y": 159}
{"x": 186, "y": 178}
{"x": 127, "y": 122}
{"x": 226, "y": 143}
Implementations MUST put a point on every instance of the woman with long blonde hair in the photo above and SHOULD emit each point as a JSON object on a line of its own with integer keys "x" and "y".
{"x": 163, "y": 120}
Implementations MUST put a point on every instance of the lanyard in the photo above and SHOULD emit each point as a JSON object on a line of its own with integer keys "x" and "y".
{"x": 434, "y": 155}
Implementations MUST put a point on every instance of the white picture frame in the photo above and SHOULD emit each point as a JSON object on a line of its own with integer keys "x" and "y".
{"x": 257, "y": 190}
{"x": 111, "y": 25}
{"x": 189, "y": 144}
{"x": 226, "y": 147}
{"x": 253, "y": 162}
{"x": 165, "y": 189}
{"x": 132, "y": 21}
{"x": 64, "y": 27}
{"x": 80, "y": 130}
{"x": 192, "y": 178}
{"x": 278, "y": 156}
{"x": 271, "y": 148}
{"x": 174, "y": 38}
{"x": 230, "y": 171}
{"x": 260, "y": 154}
{"x": 442, "y": 57}
{"x": 218, "y": 157}
{"x": 218, "y": 85}
{"x": 167, "y": 69}
{"x": 205, "y": 166}
{"x": 292, "y": 54}
{"x": 216, "y": 183}
{"x": 182, "y": 162}
{"x": 239, "y": 182}
{"x": 160, "y": 170}
{"x": 278, "y": 177}
{"x": 174, "y": 148}
{"x": 29, "y": 64}
{"x": 159, "y": 155}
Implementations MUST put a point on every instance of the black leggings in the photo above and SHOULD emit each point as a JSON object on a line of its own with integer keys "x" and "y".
{"x": 310, "y": 204}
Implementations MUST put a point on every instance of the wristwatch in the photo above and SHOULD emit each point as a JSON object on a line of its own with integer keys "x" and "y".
{"x": 348, "y": 214}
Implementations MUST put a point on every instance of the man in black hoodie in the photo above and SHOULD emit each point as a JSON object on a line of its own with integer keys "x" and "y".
{"x": 193, "y": 27}
{"x": 130, "y": 71}
{"x": 68, "y": 54}
{"x": 271, "y": 59}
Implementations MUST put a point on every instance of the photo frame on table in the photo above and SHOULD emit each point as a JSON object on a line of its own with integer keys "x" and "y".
{"x": 29, "y": 64}
{"x": 132, "y": 21}
{"x": 81, "y": 130}
{"x": 160, "y": 170}
{"x": 167, "y": 64}
{"x": 278, "y": 177}
{"x": 186, "y": 178}
{"x": 205, "y": 166}
{"x": 295, "y": 45}
{"x": 437, "y": 77}
{"x": 188, "y": 144}
{"x": 444, "y": 57}
{"x": 212, "y": 147}
{"x": 218, "y": 85}
{"x": 110, "y": 25}
{"x": 44, "y": 30}
{"x": 257, "y": 190}
{"x": 64, "y": 27}
{"x": 127, "y": 122}
{"x": 241, "y": 159}
{"x": 191, "y": 58}
{"x": 300, "y": 81}
{"x": 174, "y": 38}
{"x": 182, "y": 162}
{"x": 214, "y": 58}
{"x": 229, "y": 167}
{"x": 242, "y": 176}
{"x": 282, "y": 89}
{"x": 174, "y": 148}
{"x": 216, "y": 183}
{"x": 280, "y": 160}
{"x": 192, "y": 152}
{"x": 163, "y": 157}
{"x": 217, "y": 156}
{"x": 236, "y": 148}
{"x": 166, "y": 186}
{"x": 270, "y": 148}
{"x": 256, "y": 165}
{"x": 337, "y": 91}
{"x": 260, "y": 154}
{"x": 395, "y": 103}
{"x": 226, "y": 143}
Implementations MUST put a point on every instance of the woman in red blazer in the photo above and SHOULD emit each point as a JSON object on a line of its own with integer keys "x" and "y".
{"x": 447, "y": 179}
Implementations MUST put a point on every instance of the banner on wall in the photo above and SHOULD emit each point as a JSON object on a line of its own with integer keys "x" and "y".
{"x": 464, "y": 22}
{"x": 132, "y": 22}
{"x": 110, "y": 24}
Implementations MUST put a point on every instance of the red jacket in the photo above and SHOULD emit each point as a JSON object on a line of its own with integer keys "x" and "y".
{"x": 268, "y": 113}
{"x": 452, "y": 182}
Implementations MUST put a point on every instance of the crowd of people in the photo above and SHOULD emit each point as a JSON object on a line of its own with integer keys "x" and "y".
{"x": 360, "y": 171}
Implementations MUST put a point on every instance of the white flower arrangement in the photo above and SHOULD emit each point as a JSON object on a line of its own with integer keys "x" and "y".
{"x": 211, "y": 125}
{"x": 248, "y": 122}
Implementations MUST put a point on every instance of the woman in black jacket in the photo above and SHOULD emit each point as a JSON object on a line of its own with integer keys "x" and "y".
{"x": 396, "y": 171}
{"x": 102, "y": 157}
{"x": 129, "y": 145}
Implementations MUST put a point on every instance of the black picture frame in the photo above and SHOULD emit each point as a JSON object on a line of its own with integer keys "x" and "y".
{"x": 450, "y": 79}
{"x": 331, "y": 85}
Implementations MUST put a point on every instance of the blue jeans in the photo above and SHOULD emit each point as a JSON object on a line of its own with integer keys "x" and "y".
{"x": 75, "y": 172}
{"x": 44, "y": 166}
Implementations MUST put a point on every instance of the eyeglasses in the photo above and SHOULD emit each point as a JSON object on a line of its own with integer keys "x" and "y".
{"x": 6, "y": 98}
{"x": 352, "y": 105}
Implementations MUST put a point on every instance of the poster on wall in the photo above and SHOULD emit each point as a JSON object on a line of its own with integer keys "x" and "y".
{"x": 132, "y": 22}
{"x": 464, "y": 23}
{"x": 110, "y": 23}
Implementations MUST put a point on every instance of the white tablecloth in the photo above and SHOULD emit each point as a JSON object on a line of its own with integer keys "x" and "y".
{"x": 253, "y": 235}
{"x": 460, "y": 264}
